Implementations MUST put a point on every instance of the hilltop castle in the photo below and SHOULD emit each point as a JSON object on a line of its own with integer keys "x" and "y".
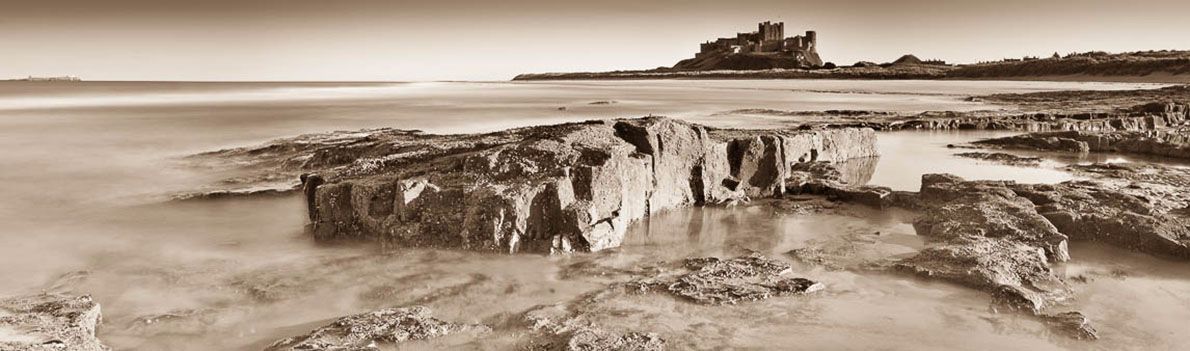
{"x": 767, "y": 47}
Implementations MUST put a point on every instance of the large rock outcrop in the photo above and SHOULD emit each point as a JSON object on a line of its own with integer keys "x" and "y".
{"x": 46, "y": 322}
{"x": 569, "y": 187}
{"x": 988, "y": 237}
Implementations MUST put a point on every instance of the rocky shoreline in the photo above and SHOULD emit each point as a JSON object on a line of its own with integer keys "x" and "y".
{"x": 576, "y": 187}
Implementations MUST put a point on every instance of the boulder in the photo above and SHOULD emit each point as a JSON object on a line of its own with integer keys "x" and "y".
{"x": 47, "y": 322}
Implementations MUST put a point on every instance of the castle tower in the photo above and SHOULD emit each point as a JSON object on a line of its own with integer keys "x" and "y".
{"x": 811, "y": 39}
{"x": 768, "y": 31}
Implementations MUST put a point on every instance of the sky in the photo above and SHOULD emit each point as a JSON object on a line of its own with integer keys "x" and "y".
{"x": 401, "y": 40}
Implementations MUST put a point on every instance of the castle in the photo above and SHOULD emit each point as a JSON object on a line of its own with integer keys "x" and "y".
{"x": 768, "y": 40}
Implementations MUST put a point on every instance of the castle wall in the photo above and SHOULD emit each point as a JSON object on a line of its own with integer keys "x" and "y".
{"x": 768, "y": 38}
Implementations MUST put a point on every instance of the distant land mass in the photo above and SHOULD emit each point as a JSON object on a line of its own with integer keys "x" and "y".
{"x": 767, "y": 54}
{"x": 48, "y": 79}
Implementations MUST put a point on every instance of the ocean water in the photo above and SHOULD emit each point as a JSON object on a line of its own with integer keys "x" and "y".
{"x": 88, "y": 168}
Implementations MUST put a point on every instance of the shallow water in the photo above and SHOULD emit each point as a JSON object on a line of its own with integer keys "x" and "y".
{"x": 88, "y": 165}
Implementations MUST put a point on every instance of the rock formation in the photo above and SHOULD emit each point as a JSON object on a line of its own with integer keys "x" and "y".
{"x": 1173, "y": 142}
{"x": 1094, "y": 211}
{"x": 366, "y": 331}
{"x": 47, "y": 322}
{"x": 566, "y": 327}
{"x": 992, "y": 239}
{"x": 715, "y": 281}
{"x": 1002, "y": 158}
{"x": 570, "y": 187}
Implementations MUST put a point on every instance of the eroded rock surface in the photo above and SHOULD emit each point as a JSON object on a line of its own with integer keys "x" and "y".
{"x": 716, "y": 281}
{"x": 560, "y": 188}
{"x": 1171, "y": 142}
{"x": 1072, "y": 324}
{"x": 46, "y": 322}
{"x": 366, "y": 331}
{"x": 842, "y": 181}
{"x": 990, "y": 239}
{"x": 1097, "y": 211}
{"x": 568, "y": 326}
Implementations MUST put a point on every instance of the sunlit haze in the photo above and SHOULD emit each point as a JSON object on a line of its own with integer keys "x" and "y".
{"x": 264, "y": 40}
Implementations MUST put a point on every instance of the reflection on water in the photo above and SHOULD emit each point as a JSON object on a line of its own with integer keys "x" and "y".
{"x": 86, "y": 165}
{"x": 858, "y": 171}
{"x": 906, "y": 155}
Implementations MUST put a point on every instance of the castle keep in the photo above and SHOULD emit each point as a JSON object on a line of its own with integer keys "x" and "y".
{"x": 767, "y": 47}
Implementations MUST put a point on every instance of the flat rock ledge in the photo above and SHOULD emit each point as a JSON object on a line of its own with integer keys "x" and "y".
{"x": 1002, "y": 158}
{"x": 560, "y": 188}
{"x": 45, "y": 322}
{"x": 1142, "y": 117}
{"x": 1002, "y": 237}
{"x": 1171, "y": 142}
{"x": 366, "y": 331}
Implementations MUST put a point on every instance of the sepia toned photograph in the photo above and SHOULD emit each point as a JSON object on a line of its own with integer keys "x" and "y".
{"x": 559, "y": 175}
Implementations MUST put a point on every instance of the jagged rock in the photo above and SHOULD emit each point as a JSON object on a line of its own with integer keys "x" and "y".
{"x": 561, "y": 188}
{"x": 46, "y": 322}
{"x": 1093, "y": 211}
{"x": 841, "y": 182}
{"x": 1003, "y": 158}
{"x": 715, "y": 281}
{"x": 960, "y": 209}
{"x": 366, "y": 330}
{"x": 1018, "y": 272}
{"x": 990, "y": 239}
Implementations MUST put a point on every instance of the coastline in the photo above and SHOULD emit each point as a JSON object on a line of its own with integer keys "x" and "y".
{"x": 896, "y": 73}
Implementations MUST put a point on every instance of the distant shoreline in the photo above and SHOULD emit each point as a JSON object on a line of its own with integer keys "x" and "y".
{"x": 846, "y": 73}
{"x": 1165, "y": 66}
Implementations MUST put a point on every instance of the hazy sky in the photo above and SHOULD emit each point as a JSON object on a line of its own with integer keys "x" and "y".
{"x": 496, "y": 39}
